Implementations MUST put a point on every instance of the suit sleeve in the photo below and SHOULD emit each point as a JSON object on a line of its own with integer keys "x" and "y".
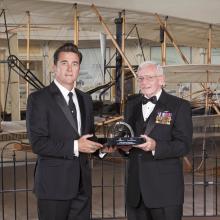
{"x": 38, "y": 132}
{"x": 181, "y": 135}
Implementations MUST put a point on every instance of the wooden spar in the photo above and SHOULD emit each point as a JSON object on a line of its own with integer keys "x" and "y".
{"x": 207, "y": 99}
{"x": 28, "y": 50}
{"x": 123, "y": 66}
{"x": 75, "y": 29}
{"x": 113, "y": 40}
{"x": 109, "y": 121}
{"x": 76, "y": 26}
{"x": 164, "y": 44}
{"x": 216, "y": 108}
{"x": 171, "y": 39}
{"x": 209, "y": 45}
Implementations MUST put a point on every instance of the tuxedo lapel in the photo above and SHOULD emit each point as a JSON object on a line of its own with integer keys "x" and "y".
{"x": 139, "y": 120}
{"x": 59, "y": 99}
{"x": 82, "y": 109}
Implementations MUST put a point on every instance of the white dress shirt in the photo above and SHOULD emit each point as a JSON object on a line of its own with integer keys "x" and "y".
{"x": 65, "y": 93}
{"x": 148, "y": 108}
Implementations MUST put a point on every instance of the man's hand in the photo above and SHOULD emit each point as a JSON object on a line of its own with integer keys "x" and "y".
{"x": 149, "y": 145}
{"x": 87, "y": 146}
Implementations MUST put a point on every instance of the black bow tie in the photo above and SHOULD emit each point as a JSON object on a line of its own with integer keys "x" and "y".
{"x": 145, "y": 100}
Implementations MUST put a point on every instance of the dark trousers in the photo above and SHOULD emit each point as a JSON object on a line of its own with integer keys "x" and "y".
{"x": 164, "y": 213}
{"x": 75, "y": 209}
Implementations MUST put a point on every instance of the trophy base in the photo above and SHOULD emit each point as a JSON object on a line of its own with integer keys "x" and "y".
{"x": 121, "y": 141}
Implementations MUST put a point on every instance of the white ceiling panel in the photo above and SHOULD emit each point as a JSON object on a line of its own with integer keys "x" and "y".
{"x": 188, "y": 20}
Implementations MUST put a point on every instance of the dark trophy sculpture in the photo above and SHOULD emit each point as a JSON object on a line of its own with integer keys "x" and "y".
{"x": 121, "y": 134}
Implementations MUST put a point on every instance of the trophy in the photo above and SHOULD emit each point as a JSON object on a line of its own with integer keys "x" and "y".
{"x": 121, "y": 134}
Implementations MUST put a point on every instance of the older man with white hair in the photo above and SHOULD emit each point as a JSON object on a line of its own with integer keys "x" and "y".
{"x": 155, "y": 189}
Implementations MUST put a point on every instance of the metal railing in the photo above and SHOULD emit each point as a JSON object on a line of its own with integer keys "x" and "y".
{"x": 202, "y": 182}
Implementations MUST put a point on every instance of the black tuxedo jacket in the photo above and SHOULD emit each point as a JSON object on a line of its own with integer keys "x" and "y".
{"x": 159, "y": 178}
{"x": 52, "y": 133}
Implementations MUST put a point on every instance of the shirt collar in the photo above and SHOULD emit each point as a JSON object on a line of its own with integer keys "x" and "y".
{"x": 157, "y": 94}
{"x": 63, "y": 90}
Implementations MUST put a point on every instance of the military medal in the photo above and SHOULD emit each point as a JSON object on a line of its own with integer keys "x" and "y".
{"x": 164, "y": 117}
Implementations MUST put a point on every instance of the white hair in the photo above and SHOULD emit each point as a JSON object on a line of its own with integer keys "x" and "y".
{"x": 159, "y": 69}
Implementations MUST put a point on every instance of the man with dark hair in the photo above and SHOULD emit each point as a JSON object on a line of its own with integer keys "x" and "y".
{"x": 67, "y": 47}
{"x": 155, "y": 188}
{"x": 59, "y": 124}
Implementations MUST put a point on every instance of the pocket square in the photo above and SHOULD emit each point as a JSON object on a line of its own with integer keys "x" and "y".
{"x": 164, "y": 118}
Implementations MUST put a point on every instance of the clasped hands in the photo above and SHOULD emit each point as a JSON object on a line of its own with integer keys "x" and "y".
{"x": 88, "y": 146}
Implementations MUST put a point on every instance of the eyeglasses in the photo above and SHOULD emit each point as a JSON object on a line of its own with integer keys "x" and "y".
{"x": 146, "y": 77}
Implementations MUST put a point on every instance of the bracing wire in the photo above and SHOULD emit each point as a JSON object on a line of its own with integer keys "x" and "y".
{"x": 6, "y": 94}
